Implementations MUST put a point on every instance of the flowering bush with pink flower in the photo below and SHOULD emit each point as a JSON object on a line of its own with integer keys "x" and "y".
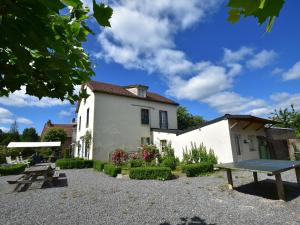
{"x": 119, "y": 156}
{"x": 134, "y": 155}
{"x": 149, "y": 152}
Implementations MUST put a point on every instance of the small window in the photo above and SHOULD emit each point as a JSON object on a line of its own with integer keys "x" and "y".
{"x": 79, "y": 125}
{"x": 87, "y": 117}
{"x": 163, "y": 119}
{"x": 163, "y": 145}
{"x": 145, "y": 116}
{"x": 252, "y": 143}
{"x": 145, "y": 141}
{"x": 237, "y": 144}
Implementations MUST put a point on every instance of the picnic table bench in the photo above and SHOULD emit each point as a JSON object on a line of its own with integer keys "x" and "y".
{"x": 271, "y": 167}
{"x": 30, "y": 175}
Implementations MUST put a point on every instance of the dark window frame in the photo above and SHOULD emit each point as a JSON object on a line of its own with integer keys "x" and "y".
{"x": 161, "y": 125}
{"x": 87, "y": 117}
{"x": 79, "y": 125}
{"x": 145, "y": 117}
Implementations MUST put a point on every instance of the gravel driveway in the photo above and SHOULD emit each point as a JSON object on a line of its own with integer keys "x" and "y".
{"x": 88, "y": 197}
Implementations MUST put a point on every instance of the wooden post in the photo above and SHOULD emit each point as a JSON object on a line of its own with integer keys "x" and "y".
{"x": 297, "y": 170}
{"x": 279, "y": 185}
{"x": 229, "y": 177}
{"x": 255, "y": 177}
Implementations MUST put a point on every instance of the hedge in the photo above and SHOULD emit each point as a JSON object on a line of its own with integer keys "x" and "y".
{"x": 193, "y": 170}
{"x": 12, "y": 169}
{"x": 112, "y": 170}
{"x": 74, "y": 163}
{"x": 98, "y": 165}
{"x": 146, "y": 173}
{"x": 133, "y": 163}
{"x": 169, "y": 162}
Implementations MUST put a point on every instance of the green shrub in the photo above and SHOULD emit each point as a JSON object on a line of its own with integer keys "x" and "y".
{"x": 146, "y": 173}
{"x": 98, "y": 165}
{"x": 193, "y": 170}
{"x": 198, "y": 154}
{"x": 135, "y": 163}
{"x": 169, "y": 162}
{"x": 112, "y": 170}
{"x": 74, "y": 163}
{"x": 12, "y": 169}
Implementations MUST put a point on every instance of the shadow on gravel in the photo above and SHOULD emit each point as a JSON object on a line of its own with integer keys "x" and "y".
{"x": 267, "y": 189}
{"x": 190, "y": 221}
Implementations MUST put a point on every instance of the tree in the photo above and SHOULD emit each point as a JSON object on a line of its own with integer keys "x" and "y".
{"x": 263, "y": 10}
{"x": 55, "y": 134}
{"x": 30, "y": 134}
{"x": 288, "y": 118}
{"x": 186, "y": 119}
{"x": 41, "y": 46}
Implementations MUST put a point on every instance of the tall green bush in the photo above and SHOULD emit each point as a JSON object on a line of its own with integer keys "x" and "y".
{"x": 74, "y": 163}
{"x": 169, "y": 162}
{"x": 193, "y": 170}
{"x": 154, "y": 173}
{"x": 198, "y": 154}
{"x": 112, "y": 170}
{"x": 98, "y": 165}
{"x": 12, "y": 169}
{"x": 132, "y": 163}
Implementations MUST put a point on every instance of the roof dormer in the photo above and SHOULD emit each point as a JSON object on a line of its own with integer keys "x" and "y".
{"x": 138, "y": 90}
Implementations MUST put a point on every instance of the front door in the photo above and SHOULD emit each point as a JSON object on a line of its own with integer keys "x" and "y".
{"x": 264, "y": 152}
{"x": 238, "y": 149}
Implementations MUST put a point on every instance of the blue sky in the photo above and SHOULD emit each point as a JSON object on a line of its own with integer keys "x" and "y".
{"x": 190, "y": 53}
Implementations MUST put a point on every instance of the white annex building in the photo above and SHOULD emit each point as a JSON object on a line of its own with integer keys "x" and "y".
{"x": 125, "y": 117}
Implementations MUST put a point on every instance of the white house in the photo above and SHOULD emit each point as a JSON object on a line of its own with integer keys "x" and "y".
{"x": 232, "y": 137}
{"x": 115, "y": 117}
{"x": 120, "y": 117}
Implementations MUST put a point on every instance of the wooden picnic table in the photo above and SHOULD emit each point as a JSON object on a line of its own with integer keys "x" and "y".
{"x": 30, "y": 175}
{"x": 271, "y": 167}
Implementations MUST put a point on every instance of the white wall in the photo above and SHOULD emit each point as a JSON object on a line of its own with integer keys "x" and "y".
{"x": 84, "y": 105}
{"x": 117, "y": 123}
{"x": 215, "y": 136}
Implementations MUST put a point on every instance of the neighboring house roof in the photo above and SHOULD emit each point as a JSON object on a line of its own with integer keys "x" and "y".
{"x": 112, "y": 89}
{"x": 68, "y": 128}
{"x": 249, "y": 118}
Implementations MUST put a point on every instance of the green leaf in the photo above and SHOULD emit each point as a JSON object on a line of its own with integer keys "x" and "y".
{"x": 73, "y": 3}
{"x": 234, "y": 15}
{"x": 102, "y": 14}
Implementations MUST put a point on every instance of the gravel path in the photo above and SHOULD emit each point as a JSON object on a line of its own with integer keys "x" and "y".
{"x": 94, "y": 198}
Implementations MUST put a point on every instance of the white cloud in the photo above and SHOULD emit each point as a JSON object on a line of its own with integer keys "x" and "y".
{"x": 142, "y": 33}
{"x": 7, "y": 118}
{"x": 293, "y": 73}
{"x": 210, "y": 80}
{"x": 21, "y": 99}
{"x": 277, "y": 71}
{"x": 4, "y": 113}
{"x": 284, "y": 100}
{"x": 67, "y": 113}
{"x": 4, "y": 129}
{"x": 231, "y": 56}
{"x": 231, "y": 102}
{"x": 262, "y": 59}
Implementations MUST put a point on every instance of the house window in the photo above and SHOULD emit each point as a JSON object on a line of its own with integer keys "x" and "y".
{"x": 237, "y": 144}
{"x": 163, "y": 145}
{"x": 79, "y": 126}
{"x": 145, "y": 141}
{"x": 252, "y": 143}
{"x": 145, "y": 116}
{"x": 142, "y": 92}
{"x": 163, "y": 119}
{"x": 87, "y": 117}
